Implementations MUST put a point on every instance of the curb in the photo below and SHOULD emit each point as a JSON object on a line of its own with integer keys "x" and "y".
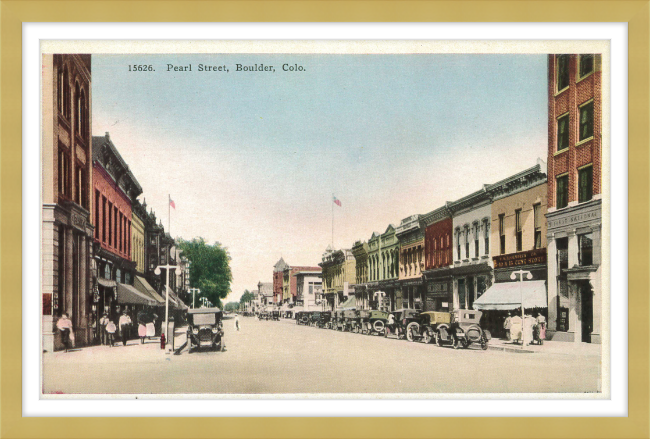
{"x": 509, "y": 349}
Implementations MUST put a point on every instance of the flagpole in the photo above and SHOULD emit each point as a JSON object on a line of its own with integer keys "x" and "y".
{"x": 332, "y": 222}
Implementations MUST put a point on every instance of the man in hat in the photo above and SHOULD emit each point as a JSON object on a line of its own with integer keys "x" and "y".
{"x": 125, "y": 327}
{"x": 103, "y": 336}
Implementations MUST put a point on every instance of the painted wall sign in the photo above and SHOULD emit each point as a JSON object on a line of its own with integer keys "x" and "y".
{"x": 537, "y": 256}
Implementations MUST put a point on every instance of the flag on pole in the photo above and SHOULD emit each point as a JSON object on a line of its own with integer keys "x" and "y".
{"x": 337, "y": 201}
{"x": 171, "y": 203}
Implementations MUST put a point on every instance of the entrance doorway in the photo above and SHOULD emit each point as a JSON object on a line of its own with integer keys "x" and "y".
{"x": 469, "y": 288}
{"x": 587, "y": 310}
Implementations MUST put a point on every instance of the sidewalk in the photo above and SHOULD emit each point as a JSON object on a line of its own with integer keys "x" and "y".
{"x": 549, "y": 347}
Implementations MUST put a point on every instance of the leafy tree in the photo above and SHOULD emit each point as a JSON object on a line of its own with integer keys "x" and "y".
{"x": 246, "y": 297}
{"x": 209, "y": 268}
{"x": 232, "y": 306}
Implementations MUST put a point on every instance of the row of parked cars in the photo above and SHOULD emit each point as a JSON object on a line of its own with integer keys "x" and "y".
{"x": 459, "y": 328}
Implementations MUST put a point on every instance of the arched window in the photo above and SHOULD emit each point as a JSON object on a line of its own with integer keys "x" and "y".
{"x": 63, "y": 92}
{"x": 77, "y": 109}
{"x": 82, "y": 114}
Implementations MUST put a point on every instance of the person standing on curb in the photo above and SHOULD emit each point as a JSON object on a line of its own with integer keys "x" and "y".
{"x": 64, "y": 324}
{"x": 237, "y": 322}
{"x": 103, "y": 335}
{"x": 125, "y": 327}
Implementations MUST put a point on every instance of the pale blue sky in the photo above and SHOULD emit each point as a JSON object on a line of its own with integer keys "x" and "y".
{"x": 251, "y": 159}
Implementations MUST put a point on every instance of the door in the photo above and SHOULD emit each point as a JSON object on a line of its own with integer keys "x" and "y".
{"x": 587, "y": 302}
{"x": 470, "y": 292}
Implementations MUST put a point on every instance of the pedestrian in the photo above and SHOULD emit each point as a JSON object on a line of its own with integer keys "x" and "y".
{"x": 110, "y": 332}
{"x": 64, "y": 324}
{"x": 151, "y": 327}
{"x": 507, "y": 325}
{"x": 125, "y": 327}
{"x": 237, "y": 322}
{"x": 102, "y": 329}
{"x": 162, "y": 341}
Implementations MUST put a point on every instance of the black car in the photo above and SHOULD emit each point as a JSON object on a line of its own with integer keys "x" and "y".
{"x": 205, "y": 329}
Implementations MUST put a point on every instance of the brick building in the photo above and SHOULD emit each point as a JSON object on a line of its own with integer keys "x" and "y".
{"x": 278, "y": 281}
{"x": 438, "y": 260}
{"x": 574, "y": 196}
{"x": 67, "y": 174}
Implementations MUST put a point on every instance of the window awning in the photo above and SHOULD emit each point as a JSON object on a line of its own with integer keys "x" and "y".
{"x": 507, "y": 295}
{"x": 128, "y": 295}
{"x": 106, "y": 282}
{"x": 141, "y": 284}
{"x": 351, "y": 303}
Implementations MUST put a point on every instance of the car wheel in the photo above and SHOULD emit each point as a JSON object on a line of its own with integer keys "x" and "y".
{"x": 438, "y": 339}
{"x": 426, "y": 336}
{"x": 412, "y": 330}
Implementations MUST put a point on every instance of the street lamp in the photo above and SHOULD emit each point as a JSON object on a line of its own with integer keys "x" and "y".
{"x": 194, "y": 290}
{"x": 167, "y": 291}
{"x": 529, "y": 276}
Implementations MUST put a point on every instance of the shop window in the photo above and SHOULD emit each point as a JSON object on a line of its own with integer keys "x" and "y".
{"x": 562, "y": 71}
{"x": 586, "y": 121}
{"x": 586, "y": 64}
{"x": 562, "y": 192}
{"x": 586, "y": 243}
{"x": 585, "y": 184}
{"x": 502, "y": 235}
{"x": 563, "y": 133}
{"x": 537, "y": 213}
{"x": 481, "y": 286}
{"x": 518, "y": 232}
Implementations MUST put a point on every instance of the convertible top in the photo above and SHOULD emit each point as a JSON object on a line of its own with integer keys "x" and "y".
{"x": 203, "y": 310}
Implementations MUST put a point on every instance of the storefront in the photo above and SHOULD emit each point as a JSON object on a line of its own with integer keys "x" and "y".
{"x": 439, "y": 290}
{"x": 412, "y": 293}
{"x": 574, "y": 273}
{"x": 470, "y": 282}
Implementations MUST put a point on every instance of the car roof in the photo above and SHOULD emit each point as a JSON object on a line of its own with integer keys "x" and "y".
{"x": 204, "y": 310}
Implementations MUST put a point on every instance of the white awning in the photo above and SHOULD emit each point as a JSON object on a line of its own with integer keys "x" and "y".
{"x": 507, "y": 295}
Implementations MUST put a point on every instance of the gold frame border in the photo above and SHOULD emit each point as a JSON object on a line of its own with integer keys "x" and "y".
{"x": 13, "y": 13}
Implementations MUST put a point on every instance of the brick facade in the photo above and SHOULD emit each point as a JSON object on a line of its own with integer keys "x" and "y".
{"x": 568, "y": 100}
{"x": 438, "y": 244}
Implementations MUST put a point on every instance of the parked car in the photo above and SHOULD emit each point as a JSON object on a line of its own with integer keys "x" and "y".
{"x": 373, "y": 322}
{"x": 429, "y": 322}
{"x": 349, "y": 319}
{"x": 324, "y": 319}
{"x": 314, "y": 318}
{"x": 463, "y": 330}
{"x": 205, "y": 329}
{"x": 275, "y": 315}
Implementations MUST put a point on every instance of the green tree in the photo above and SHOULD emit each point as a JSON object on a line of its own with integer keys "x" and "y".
{"x": 209, "y": 268}
{"x": 246, "y": 297}
{"x": 232, "y": 306}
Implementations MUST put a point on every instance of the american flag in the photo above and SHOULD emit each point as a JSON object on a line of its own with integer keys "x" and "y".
{"x": 337, "y": 201}
{"x": 171, "y": 203}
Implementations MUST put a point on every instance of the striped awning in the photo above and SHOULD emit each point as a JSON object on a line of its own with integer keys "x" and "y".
{"x": 141, "y": 284}
{"x": 128, "y": 295}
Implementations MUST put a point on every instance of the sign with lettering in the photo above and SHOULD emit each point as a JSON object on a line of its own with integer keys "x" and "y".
{"x": 438, "y": 287}
{"x": 537, "y": 256}
{"x": 78, "y": 221}
{"x": 593, "y": 215}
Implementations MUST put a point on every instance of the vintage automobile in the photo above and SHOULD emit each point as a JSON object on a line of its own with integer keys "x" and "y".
{"x": 463, "y": 330}
{"x": 429, "y": 322}
{"x": 350, "y": 320}
{"x": 406, "y": 324}
{"x": 302, "y": 317}
{"x": 373, "y": 322}
{"x": 324, "y": 319}
{"x": 337, "y": 320}
{"x": 205, "y": 329}
{"x": 314, "y": 318}
{"x": 275, "y": 315}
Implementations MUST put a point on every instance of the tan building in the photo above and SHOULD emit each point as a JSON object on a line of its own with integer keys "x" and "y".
{"x": 339, "y": 271}
{"x": 137, "y": 242}
{"x": 67, "y": 233}
{"x": 410, "y": 234}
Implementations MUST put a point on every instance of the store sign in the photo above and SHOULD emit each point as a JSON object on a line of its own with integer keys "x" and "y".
{"x": 438, "y": 287}
{"x": 537, "y": 256}
{"x": 590, "y": 216}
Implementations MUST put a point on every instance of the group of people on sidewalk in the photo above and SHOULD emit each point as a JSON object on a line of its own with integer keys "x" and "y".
{"x": 533, "y": 328}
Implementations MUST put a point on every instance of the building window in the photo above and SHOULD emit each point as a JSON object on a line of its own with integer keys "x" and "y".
{"x": 110, "y": 224}
{"x": 466, "y": 242}
{"x": 585, "y": 184}
{"x": 458, "y": 244}
{"x": 63, "y": 92}
{"x": 563, "y": 133}
{"x": 502, "y": 234}
{"x": 562, "y": 192}
{"x": 476, "y": 233}
{"x": 104, "y": 219}
{"x": 586, "y": 65}
{"x": 537, "y": 213}
{"x": 487, "y": 237}
{"x": 562, "y": 71}
{"x": 64, "y": 174}
{"x": 586, "y": 243}
{"x": 97, "y": 201}
{"x": 518, "y": 234}
{"x": 586, "y": 121}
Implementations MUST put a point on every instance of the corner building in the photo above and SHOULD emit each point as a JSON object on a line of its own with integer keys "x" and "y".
{"x": 574, "y": 197}
{"x": 67, "y": 230}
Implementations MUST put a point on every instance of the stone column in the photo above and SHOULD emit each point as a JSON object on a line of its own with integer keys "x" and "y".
{"x": 573, "y": 249}
{"x": 552, "y": 282}
{"x": 68, "y": 270}
{"x": 575, "y": 312}
{"x": 83, "y": 288}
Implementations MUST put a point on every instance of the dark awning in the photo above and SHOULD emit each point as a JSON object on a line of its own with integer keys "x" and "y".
{"x": 128, "y": 295}
{"x": 508, "y": 295}
{"x": 141, "y": 284}
{"x": 106, "y": 282}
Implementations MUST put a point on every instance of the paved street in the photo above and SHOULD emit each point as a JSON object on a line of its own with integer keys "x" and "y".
{"x": 282, "y": 357}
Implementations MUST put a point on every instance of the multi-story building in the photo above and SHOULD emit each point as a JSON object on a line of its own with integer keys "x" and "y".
{"x": 410, "y": 234}
{"x": 278, "y": 281}
{"x": 383, "y": 270}
{"x": 263, "y": 295}
{"x": 338, "y": 270}
{"x": 574, "y": 197}
{"x": 115, "y": 189}
{"x": 309, "y": 286}
{"x": 67, "y": 197}
{"x": 472, "y": 271}
{"x": 438, "y": 260}
{"x": 290, "y": 282}
{"x": 360, "y": 253}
